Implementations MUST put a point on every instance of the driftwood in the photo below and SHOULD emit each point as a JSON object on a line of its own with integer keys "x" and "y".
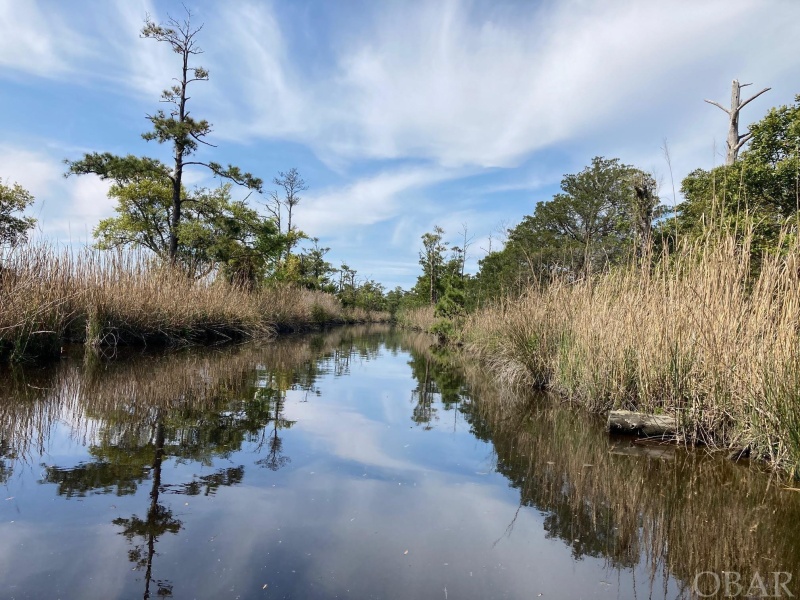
{"x": 629, "y": 422}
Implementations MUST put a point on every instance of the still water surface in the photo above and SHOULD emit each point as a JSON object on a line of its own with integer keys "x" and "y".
{"x": 357, "y": 463}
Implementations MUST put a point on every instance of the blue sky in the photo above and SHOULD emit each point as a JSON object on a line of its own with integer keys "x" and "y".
{"x": 399, "y": 115}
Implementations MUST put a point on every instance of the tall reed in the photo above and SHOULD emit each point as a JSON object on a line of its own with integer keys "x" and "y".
{"x": 110, "y": 298}
{"x": 696, "y": 336}
{"x": 420, "y": 318}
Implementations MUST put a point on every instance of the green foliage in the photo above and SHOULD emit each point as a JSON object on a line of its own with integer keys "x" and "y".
{"x": 215, "y": 231}
{"x": 604, "y": 214}
{"x": 451, "y": 304}
{"x": 120, "y": 169}
{"x": 430, "y": 284}
{"x": 368, "y": 295}
{"x": 14, "y": 199}
{"x": 314, "y": 272}
{"x": 395, "y": 300}
{"x": 761, "y": 190}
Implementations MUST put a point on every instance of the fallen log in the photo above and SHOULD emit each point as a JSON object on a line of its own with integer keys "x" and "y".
{"x": 634, "y": 423}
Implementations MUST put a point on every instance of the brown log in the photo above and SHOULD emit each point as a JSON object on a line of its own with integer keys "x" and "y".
{"x": 629, "y": 422}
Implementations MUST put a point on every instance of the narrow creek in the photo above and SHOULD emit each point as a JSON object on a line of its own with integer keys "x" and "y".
{"x": 358, "y": 463}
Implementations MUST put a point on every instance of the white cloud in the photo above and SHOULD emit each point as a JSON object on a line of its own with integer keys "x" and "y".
{"x": 459, "y": 84}
{"x": 366, "y": 201}
{"x": 66, "y": 208}
{"x": 36, "y": 39}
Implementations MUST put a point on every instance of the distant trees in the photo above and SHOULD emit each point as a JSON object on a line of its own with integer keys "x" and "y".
{"x": 14, "y": 199}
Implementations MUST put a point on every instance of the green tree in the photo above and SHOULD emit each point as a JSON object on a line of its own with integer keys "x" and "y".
{"x": 292, "y": 184}
{"x": 13, "y": 200}
{"x": 315, "y": 271}
{"x": 178, "y": 128}
{"x": 215, "y": 231}
{"x": 760, "y": 191}
{"x": 604, "y": 214}
{"x": 432, "y": 259}
{"x": 590, "y": 219}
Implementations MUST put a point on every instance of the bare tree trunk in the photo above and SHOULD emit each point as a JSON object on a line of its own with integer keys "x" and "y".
{"x": 736, "y": 141}
{"x": 432, "y": 277}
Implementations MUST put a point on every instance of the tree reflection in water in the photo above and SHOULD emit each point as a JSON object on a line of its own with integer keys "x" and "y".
{"x": 195, "y": 409}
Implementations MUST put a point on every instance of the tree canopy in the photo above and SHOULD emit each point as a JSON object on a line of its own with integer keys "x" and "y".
{"x": 14, "y": 199}
{"x": 761, "y": 189}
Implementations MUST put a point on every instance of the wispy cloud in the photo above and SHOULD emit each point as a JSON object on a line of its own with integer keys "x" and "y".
{"x": 488, "y": 87}
{"x": 36, "y": 39}
{"x": 366, "y": 201}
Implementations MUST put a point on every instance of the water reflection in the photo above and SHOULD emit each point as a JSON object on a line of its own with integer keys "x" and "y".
{"x": 676, "y": 511}
{"x": 147, "y": 410}
{"x": 156, "y": 433}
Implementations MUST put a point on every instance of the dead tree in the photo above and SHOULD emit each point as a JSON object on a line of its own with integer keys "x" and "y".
{"x": 736, "y": 141}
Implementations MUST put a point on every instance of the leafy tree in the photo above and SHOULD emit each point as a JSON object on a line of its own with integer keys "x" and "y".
{"x": 215, "y": 231}
{"x": 604, "y": 214}
{"x": 590, "y": 218}
{"x": 14, "y": 199}
{"x": 432, "y": 259}
{"x": 395, "y": 299}
{"x": 367, "y": 294}
{"x": 178, "y": 128}
{"x": 772, "y": 162}
{"x": 315, "y": 271}
{"x": 761, "y": 190}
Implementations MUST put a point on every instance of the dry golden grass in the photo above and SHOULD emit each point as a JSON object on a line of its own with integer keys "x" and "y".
{"x": 696, "y": 337}
{"x": 421, "y": 318}
{"x": 109, "y": 298}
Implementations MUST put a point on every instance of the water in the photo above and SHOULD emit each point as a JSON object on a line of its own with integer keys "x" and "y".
{"x": 359, "y": 463}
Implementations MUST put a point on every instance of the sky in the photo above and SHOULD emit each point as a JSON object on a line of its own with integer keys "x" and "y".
{"x": 399, "y": 115}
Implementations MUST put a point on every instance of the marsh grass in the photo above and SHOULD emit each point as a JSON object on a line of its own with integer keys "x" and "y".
{"x": 420, "y": 318}
{"x": 697, "y": 336}
{"x": 48, "y": 296}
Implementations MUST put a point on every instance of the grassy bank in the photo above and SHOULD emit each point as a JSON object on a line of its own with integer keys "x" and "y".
{"x": 102, "y": 298}
{"x": 697, "y": 336}
{"x": 419, "y": 318}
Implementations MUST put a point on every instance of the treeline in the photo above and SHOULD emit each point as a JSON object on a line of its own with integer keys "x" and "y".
{"x": 610, "y": 215}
